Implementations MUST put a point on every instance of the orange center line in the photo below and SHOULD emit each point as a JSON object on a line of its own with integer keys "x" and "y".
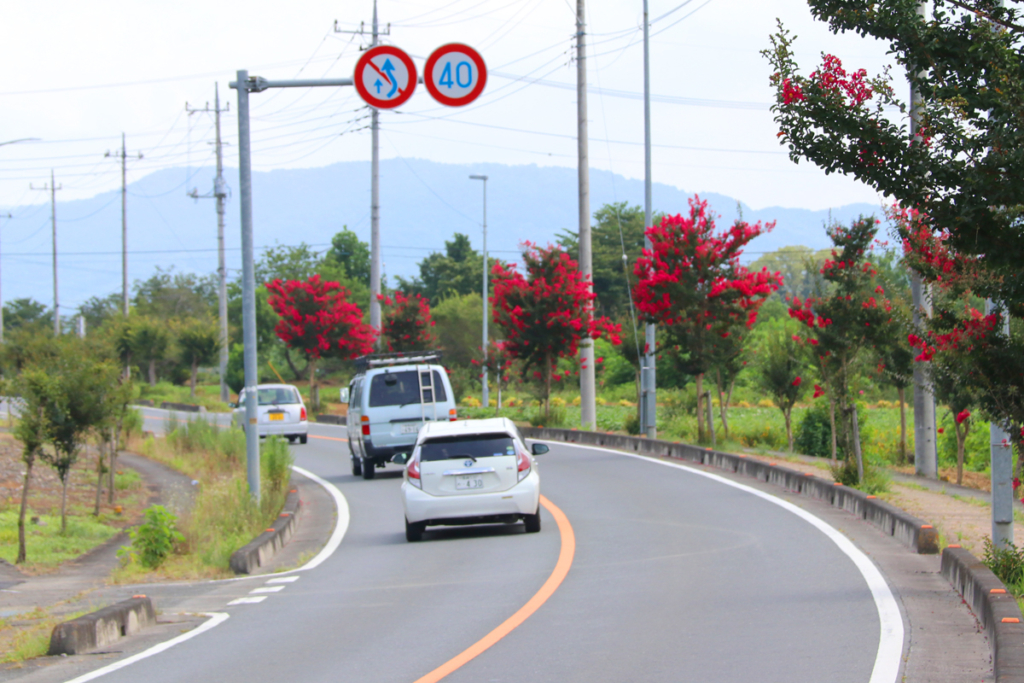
{"x": 327, "y": 438}
{"x": 565, "y": 556}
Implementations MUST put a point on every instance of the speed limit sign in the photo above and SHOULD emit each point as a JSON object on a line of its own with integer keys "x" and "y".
{"x": 455, "y": 74}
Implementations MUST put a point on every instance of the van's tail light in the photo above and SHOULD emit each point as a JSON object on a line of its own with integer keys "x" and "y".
{"x": 413, "y": 470}
{"x": 452, "y": 415}
{"x": 302, "y": 414}
{"x": 365, "y": 419}
{"x": 524, "y": 465}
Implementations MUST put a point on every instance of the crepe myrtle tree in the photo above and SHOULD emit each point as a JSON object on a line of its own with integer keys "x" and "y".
{"x": 844, "y": 325}
{"x": 545, "y": 314}
{"x": 691, "y": 282}
{"x": 407, "y": 324}
{"x": 781, "y": 362}
{"x": 956, "y": 179}
{"x": 317, "y": 319}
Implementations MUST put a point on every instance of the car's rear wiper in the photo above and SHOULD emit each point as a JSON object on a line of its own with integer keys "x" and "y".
{"x": 460, "y": 457}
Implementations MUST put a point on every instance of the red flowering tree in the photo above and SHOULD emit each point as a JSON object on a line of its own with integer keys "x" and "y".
{"x": 317, "y": 319}
{"x": 691, "y": 282}
{"x": 545, "y": 314}
{"x": 843, "y": 326}
{"x": 407, "y": 323}
{"x": 499, "y": 366}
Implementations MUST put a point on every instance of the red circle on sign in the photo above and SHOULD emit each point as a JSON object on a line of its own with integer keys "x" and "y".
{"x": 366, "y": 63}
{"x": 428, "y": 74}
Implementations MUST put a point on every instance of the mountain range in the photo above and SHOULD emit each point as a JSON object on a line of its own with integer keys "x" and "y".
{"x": 422, "y": 204}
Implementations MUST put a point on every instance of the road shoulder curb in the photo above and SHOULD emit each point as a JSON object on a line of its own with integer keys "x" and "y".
{"x": 259, "y": 551}
{"x": 102, "y": 627}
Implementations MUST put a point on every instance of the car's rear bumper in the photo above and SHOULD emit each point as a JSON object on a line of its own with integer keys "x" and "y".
{"x": 521, "y": 499}
{"x": 284, "y": 428}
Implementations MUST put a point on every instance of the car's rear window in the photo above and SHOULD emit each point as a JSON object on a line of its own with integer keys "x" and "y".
{"x": 281, "y": 396}
{"x": 401, "y": 388}
{"x": 467, "y": 446}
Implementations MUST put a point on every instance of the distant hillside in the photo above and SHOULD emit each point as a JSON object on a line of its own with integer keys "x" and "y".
{"x": 422, "y": 204}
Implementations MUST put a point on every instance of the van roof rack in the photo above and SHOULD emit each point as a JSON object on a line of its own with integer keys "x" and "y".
{"x": 379, "y": 360}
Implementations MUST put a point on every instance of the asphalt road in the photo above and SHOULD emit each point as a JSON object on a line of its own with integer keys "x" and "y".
{"x": 676, "y": 577}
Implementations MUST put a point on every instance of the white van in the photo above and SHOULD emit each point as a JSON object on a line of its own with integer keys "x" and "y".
{"x": 390, "y": 398}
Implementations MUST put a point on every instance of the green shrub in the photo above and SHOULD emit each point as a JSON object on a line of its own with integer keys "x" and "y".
{"x": 814, "y": 434}
{"x": 154, "y": 539}
{"x": 556, "y": 417}
{"x": 845, "y": 473}
{"x": 632, "y": 423}
{"x": 132, "y": 424}
{"x": 1006, "y": 563}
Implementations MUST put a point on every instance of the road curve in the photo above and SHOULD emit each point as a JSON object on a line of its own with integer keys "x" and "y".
{"x": 676, "y": 576}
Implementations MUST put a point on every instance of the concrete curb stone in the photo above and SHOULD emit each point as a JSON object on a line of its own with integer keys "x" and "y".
{"x": 102, "y": 627}
{"x": 331, "y": 419}
{"x": 185, "y": 407}
{"x": 259, "y": 551}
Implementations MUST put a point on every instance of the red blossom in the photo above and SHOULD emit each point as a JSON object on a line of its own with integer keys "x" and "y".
{"x": 962, "y": 415}
{"x": 317, "y": 318}
{"x": 797, "y": 381}
{"x": 818, "y": 391}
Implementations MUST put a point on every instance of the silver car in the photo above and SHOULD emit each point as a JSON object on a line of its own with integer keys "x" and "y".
{"x": 280, "y": 412}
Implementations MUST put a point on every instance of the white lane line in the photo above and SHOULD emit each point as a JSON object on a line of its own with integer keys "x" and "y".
{"x": 340, "y": 527}
{"x": 284, "y": 579}
{"x": 248, "y": 601}
{"x": 215, "y": 619}
{"x": 267, "y": 589}
{"x": 890, "y": 637}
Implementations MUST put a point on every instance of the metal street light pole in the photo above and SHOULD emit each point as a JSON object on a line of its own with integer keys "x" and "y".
{"x": 485, "y": 398}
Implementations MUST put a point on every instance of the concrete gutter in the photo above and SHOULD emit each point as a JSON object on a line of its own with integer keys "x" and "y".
{"x": 995, "y": 608}
{"x": 332, "y": 419}
{"x": 102, "y": 627}
{"x": 258, "y": 552}
{"x": 912, "y": 532}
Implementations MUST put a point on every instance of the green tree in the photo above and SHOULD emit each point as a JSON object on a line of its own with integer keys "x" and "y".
{"x": 166, "y": 295}
{"x": 459, "y": 327}
{"x": 36, "y": 388}
{"x": 149, "y": 340}
{"x": 26, "y": 312}
{"x": 800, "y": 269}
{"x": 456, "y": 272}
{"x": 352, "y": 254}
{"x": 198, "y": 341}
{"x": 618, "y": 228}
{"x": 98, "y": 310}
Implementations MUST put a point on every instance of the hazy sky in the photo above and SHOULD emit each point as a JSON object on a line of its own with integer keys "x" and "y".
{"x": 80, "y": 73}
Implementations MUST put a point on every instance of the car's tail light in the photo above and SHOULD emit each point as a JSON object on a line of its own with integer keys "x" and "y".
{"x": 452, "y": 415}
{"x": 524, "y": 465}
{"x": 365, "y": 419}
{"x": 413, "y": 470}
{"x": 302, "y": 414}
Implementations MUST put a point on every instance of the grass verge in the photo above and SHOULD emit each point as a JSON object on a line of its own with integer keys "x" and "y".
{"x": 27, "y": 636}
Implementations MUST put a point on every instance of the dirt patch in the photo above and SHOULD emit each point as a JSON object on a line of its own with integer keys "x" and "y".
{"x": 45, "y": 492}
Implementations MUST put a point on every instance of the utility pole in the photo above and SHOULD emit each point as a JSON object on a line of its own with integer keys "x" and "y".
{"x": 8, "y": 217}
{"x": 1001, "y": 452}
{"x": 375, "y": 266}
{"x": 53, "y": 187}
{"x": 925, "y": 448}
{"x": 486, "y": 399}
{"x": 124, "y": 221}
{"x": 220, "y": 194}
{"x": 648, "y": 384}
{"x": 588, "y": 393}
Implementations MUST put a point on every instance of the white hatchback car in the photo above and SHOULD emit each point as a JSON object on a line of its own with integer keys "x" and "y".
{"x": 470, "y": 472}
{"x": 280, "y": 412}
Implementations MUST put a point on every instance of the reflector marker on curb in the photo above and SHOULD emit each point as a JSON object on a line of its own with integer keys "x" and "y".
{"x": 997, "y": 590}
{"x": 871, "y": 496}
{"x": 837, "y": 483}
{"x": 1011, "y": 620}
{"x": 927, "y": 526}
{"x": 954, "y": 545}
{"x": 562, "y": 566}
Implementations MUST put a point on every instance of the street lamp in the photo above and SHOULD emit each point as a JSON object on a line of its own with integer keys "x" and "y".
{"x": 485, "y": 398}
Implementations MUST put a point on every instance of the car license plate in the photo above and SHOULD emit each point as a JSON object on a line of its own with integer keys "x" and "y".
{"x": 413, "y": 428}
{"x": 465, "y": 482}
{"x": 276, "y": 417}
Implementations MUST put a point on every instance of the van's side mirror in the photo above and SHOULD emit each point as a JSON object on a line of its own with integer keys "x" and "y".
{"x": 400, "y": 458}
{"x": 232, "y": 405}
{"x": 539, "y": 448}
{"x": 344, "y": 395}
